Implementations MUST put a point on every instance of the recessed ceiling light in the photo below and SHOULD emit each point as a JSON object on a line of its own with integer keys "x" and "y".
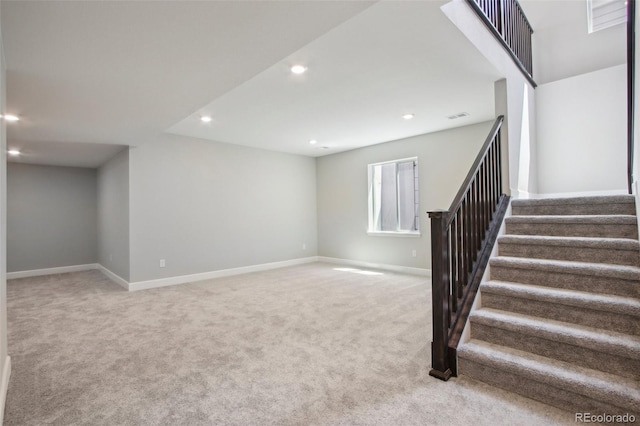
{"x": 13, "y": 152}
{"x": 205, "y": 119}
{"x": 11, "y": 117}
{"x": 298, "y": 69}
{"x": 313, "y": 141}
{"x": 408, "y": 116}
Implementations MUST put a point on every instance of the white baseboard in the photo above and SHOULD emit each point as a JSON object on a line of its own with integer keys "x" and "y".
{"x": 581, "y": 194}
{"x": 6, "y": 373}
{"x": 113, "y": 276}
{"x": 383, "y": 266}
{"x": 523, "y": 195}
{"x": 183, "y": 279}
{"x": 51, "y": 271}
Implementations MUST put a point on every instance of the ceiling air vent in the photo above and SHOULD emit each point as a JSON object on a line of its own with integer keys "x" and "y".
{"x": 459, "y": 115}
{"x": 603, "y": 14}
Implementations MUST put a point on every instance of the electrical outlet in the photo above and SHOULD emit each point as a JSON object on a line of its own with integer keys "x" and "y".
{"x": 304, "y": 246}
{"x": 163, "y": 263}
{"x": 414, "y": 253}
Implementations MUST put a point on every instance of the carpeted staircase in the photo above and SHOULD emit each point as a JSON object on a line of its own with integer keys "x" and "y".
{"x": 559, "y": 320}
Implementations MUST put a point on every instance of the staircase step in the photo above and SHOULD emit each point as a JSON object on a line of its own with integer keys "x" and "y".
{"x": 588, "y": 277}
{"x": 614, "y": 313}
{"x": 607, "y": 226}
{"x": 559, "y": 321}
{"x": 589, "y": 347}
{"x": 618, "y": 251}
{"x": 606, "y": 205}
{"x": 561, "y": 384}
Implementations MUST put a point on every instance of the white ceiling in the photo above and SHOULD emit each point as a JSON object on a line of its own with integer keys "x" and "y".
{"x": 123, "y": 73}
{"x": 392, "y": 59}
{"x": 64, "y": 153}
{"x": 562, "y": 45}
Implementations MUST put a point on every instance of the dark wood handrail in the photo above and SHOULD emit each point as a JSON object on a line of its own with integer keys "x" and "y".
{"x": 461, "y": 242}
{"x": 631, "y": 65}
{"x": 506, "y": 20}
{"x": 476, "y": 165}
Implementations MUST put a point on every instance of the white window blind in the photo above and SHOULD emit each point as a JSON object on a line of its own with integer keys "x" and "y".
{"x": 393, "y": 196}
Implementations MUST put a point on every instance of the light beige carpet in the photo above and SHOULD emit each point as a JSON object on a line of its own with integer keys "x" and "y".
{"x": 296, "y": 346}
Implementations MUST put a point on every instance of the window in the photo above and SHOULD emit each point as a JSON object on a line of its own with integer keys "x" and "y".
{"x": 393, "y": 197}
{"x": 603, "y": 14}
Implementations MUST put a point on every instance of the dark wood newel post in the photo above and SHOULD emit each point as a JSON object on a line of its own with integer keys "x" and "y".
{"x": 440, "y": 293}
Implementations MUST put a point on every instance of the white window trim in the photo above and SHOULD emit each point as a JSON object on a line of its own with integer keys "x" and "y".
{"x": 371, "y": 220}
{"x": 414, "y": 234}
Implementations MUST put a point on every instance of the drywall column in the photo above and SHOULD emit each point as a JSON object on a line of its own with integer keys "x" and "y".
{"x": 533, "y": 140}
{"x": 113, "y": 215}
{"x": 501, "y": 108}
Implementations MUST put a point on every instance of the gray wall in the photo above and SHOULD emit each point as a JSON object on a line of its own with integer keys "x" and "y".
{"x": 444, "y": 158}
{"x": 207, "y": 206}
{"x": 3, "y": 218}
{"x": 51, "y": 216}
{"x": 113, "y": 215}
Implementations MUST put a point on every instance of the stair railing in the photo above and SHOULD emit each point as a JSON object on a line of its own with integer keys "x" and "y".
{"x": 508, "y": 23}
{"x": 461, "y": 242}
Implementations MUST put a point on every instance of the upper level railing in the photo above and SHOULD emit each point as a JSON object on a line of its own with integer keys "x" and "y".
{"x": 508, "y": 23}
{"x": 461, "y": 242}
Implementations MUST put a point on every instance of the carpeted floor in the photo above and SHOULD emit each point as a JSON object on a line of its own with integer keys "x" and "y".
{"x": 295, "y": 346}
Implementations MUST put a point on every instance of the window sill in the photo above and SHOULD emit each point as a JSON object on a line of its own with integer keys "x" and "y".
{"x": 394, "y": 234}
